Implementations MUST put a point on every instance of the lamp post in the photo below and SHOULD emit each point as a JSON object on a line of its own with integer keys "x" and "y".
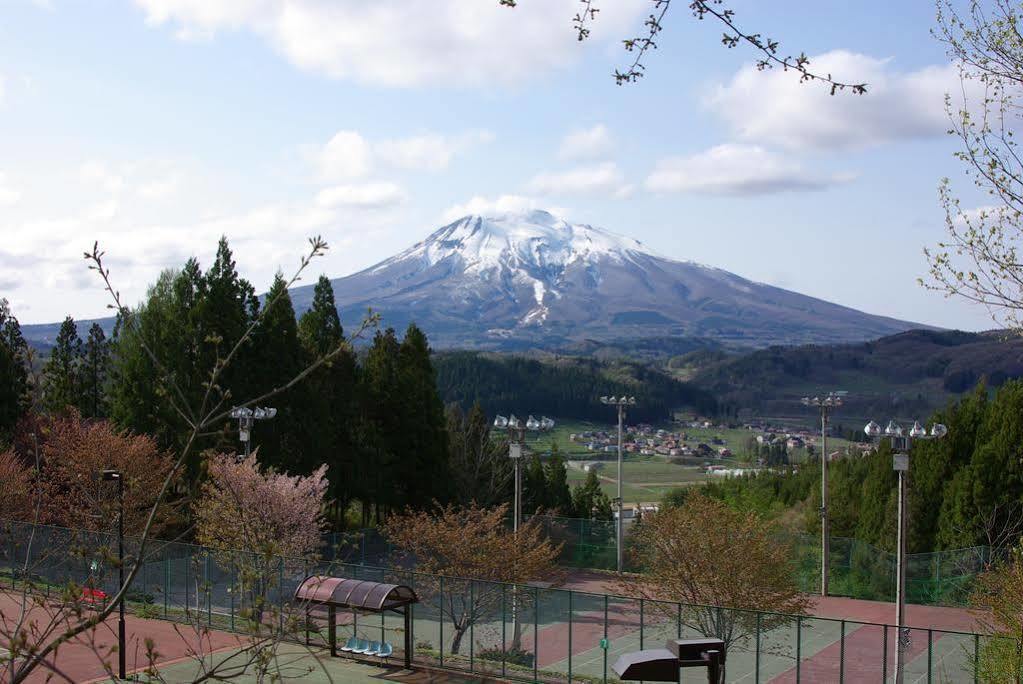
{"x": 620, "y": 403}
{"x": 246, "y": 417}
{"x": 111, "y": 475}
{"x": 902, "y": 441}
{"x": 832, "y": 401}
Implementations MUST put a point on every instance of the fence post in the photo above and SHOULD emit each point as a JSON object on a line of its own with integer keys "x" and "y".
{"x": 504, "y": 626}
{"x": 233, "y": 587}
{"x": 166, "y": 586}
{"x": 884, "y": 655}
{"x": 756, "y": 666}
{"x": 472, "y": 625}
{"x": 440, "y": 618}
{"x": 799, "y": 645}
{"x": 930, "y": 653}
{"x": 641, "y": 624}
{"x": 605, "y": 639}
{"x": 536, "y": 630}
{"x": 976, "y": 658}
{"x": 841, "y": 655}
{"x": 570, "y": 635}
{"x": 209, "y": 591}
{"x": 280, "y": 594}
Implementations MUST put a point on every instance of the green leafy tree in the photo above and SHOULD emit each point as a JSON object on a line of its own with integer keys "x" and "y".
{"x": 60, "y": 374}
{"x": 92, "y": 377}
{"x": 14, "y": 385}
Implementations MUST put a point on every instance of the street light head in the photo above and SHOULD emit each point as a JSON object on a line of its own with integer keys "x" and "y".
{"x": 259, "y": 413}
{"x": 938, "y": 431}
{"x": 546, "y": 423}
{"x": 111, "y": 474}
{"x": 241, "y": 412}
{"x": 500, "y": 422}
{"x": 532, "y": 423}
{"x": 514, "y": 422}
{"x": 271, "y": 412}
{"x": 632, "y": 401}
{"x": 872, "y": 430}
{"x": 605, "y": 400}
{"x": 806, "y": 401}
{"x": 893, "y": 429}
{"x": 917, "y": 431}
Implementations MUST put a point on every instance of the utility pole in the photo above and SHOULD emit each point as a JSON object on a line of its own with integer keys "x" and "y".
{"x": 902, "y": 442}
{"x": 832, "y": 401}
{"x": 620, "y": 403}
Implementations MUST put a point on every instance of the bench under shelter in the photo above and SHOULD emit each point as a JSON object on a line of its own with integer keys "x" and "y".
{"x": 358, "y": 596}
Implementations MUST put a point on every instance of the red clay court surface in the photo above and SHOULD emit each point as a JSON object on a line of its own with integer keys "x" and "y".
{"x": 78, "y": 659}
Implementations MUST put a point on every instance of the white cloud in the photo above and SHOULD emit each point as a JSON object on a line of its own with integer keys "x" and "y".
{"x": 605, "y": 177}
{"x": 773, "y": 107}
{"x": 586, "y": 143}
{"x": 430, "y": 152}
{"x": 8, "y": 194}
{"x": 364, "y": 196}
{"x": 401, "y": 43}
{"x": 100, "y": 175}
{"x": 347, "y": 155}
{"x": 493, "y": 206}
{"x": 735, "y": 170}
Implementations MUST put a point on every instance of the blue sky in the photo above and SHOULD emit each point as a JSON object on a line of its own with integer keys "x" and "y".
{"x": 154, "y": 126}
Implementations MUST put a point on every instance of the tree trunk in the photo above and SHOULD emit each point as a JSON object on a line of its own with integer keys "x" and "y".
{"x": 456, "y": 643}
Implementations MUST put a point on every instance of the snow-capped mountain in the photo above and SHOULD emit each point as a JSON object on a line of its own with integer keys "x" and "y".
{"x": 534, "y": 279}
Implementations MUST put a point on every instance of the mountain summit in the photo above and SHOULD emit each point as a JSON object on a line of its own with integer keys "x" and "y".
{"x": 533, "y": 279}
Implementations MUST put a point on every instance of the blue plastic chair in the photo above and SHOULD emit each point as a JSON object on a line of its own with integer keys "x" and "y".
{"x": 385, "y": 650}
{"x": 363, "y": 647}
{"x": 350, "y": 645}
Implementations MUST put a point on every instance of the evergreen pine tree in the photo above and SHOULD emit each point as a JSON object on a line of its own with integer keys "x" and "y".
{"x": 278, "y": 357}
{"x": 92, "y": 377}
{"x": 423, "y": 439}
{"x": 14, "y": 388}
{"x": 534, "y": 487}
{"x": 589, "y": 501}
{"x": 331, "y": 408}
{"x": 60, "y": 373}
{"x": 559, "y": 497}
{"x": 378, "y": 464}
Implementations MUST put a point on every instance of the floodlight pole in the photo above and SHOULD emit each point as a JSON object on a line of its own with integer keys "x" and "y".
{"x": 832, "y": 400}
{"x": 620, "y": 403}
{"x": 246, "y": 418}
{"x": 900, "y": 463}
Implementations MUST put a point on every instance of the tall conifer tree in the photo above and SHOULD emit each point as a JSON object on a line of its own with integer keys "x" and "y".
{"x": 60, "y": 374}
{"x": 14, "y": 388}
{"x": 93, "y": 371}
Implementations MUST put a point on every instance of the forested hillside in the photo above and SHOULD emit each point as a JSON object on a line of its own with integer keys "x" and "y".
{"x": 964, "y": 490}
{"x": 562, "y": 386}
{"x": 909, "y": 374}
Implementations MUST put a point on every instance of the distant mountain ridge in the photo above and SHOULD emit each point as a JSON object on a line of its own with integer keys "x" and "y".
{"x": 534, "y": 280}
{"x": 531, "y": 280}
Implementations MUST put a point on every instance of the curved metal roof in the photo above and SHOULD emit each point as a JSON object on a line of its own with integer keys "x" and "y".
{"x": 351, "y": 593}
